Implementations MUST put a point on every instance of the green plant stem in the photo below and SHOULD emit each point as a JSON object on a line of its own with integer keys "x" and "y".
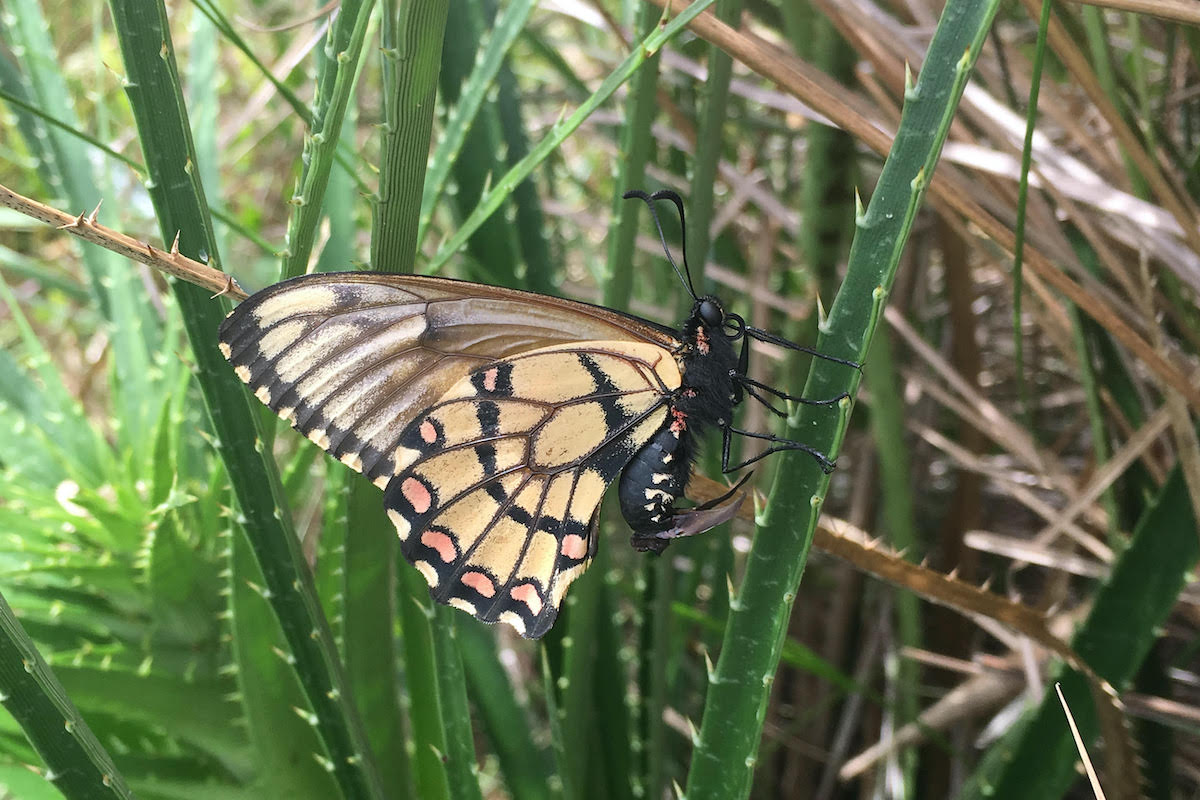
{"x": 344, "y": 48}
{"x": 156, "y": 98}
{"x": 1039, "y": 56}
{"x": 641, "y": 106}
{"x": 413, "y": 51}
{"x": 727, "y": 746}
{"x": 76, "y": 761}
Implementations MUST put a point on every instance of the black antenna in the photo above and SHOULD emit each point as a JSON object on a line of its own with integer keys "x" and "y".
{"x": 649, "y": 200}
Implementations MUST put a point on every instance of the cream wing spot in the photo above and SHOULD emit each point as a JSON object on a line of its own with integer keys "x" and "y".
{"x": 562, "y": 581}
{"x": 427, "y": 570}
{"x": 320, "y": 375}
{"x": 551, "y": 377}
{"x": 502, "y": 544}
{"x": 540, "y": 557}
{"x": 452, "y": 473}
{"x": 463, "y": 605}
{"x": 313, "y": 299}
{"x": 405, "y": 457}
{"x": 403, "y": 526}
{"x": 282, "y": 336}
{"x": 312, "y": 349}
{"x": 513, "y": 619}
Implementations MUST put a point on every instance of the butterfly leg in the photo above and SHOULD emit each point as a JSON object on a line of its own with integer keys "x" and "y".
{"x": 778, "y": 444}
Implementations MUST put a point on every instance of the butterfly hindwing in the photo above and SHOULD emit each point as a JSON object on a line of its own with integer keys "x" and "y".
{"x": 497, "y": 484}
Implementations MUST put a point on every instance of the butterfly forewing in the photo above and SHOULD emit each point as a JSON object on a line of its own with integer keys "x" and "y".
{"x": 498, "y": 482}
{"x": 350, "y": 358}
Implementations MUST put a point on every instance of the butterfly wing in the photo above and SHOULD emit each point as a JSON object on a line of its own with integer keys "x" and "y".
{"x": 497, "y": 483}
{"x": 494, "y": 419}
{"x": 349, "y": 359}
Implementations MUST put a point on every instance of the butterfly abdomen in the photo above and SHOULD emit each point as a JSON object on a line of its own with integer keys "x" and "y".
{"x": 656, "y": 478}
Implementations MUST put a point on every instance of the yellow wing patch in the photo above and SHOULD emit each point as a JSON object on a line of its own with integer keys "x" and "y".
{"x": 498, "y": 483}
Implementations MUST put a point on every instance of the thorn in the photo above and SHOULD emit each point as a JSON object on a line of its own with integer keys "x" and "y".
{"x": 228, "y": 288}
{"x": 75, "y": 223}
{"x": 149, "y": 248}
{"x": 175, "y": 245}
{"x": 91, "y": 218}
{"x": 822, "y": 315}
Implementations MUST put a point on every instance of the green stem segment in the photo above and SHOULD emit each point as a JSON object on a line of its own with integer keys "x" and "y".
{"x": 727, "y": 746}
{"x": 344, "y": 47}
{"x": 413, "y": 53}
{"x": 156, "y": 98}
{"x": 76, "y": 762}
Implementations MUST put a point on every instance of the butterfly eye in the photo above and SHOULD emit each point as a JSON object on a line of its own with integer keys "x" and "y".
{"x": 711, "y": 313}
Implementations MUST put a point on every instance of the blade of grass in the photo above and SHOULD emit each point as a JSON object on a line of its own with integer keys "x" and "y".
{"x": 287, "y": 750}
{"x": 641, "y": 106}
{"x": 505, "y": 185}
{"x": 504, "y": 719}
{"x": 425, "y": 712}
{"x": 461, "y": 770}
{"x": 493, "y": 247}
{"x": 466, "y": 107}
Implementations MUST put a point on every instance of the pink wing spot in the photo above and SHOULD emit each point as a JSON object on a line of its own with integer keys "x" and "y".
{"x": 440, "y": 542}
{"x": 678, "y": 421}
{"x": 574, "y": 546}
{"x": 489, "y": 379}
{"x": 702, "y": 341}
{"x": 479, "y": 582}
{"x": 428, "y": 432}
{"x": 417, "y": 494}
{"x": 527, "y": 593}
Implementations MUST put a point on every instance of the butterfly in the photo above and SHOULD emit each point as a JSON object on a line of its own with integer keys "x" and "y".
{"x": 494, "y": 420}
